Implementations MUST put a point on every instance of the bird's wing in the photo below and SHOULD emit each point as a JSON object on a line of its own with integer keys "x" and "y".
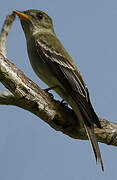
{"x": 62, "y": 66}
{"x": 54, "y": 53}
{"x": 60, "y": 63}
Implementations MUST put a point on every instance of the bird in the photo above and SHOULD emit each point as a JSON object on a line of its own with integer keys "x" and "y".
{"x": 53, "y": 65}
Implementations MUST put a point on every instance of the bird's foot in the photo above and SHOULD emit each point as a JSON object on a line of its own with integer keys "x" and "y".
{"x": 63, "y": 102}
{"x": 50, "y": 88}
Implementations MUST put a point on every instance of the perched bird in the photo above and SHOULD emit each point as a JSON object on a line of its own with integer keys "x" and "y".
{"x": 55, "y": 67}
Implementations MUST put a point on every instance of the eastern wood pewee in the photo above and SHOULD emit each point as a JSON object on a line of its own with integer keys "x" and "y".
{"x": 55, "y": 67}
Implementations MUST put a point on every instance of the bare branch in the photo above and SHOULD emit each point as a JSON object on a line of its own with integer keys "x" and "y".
{"x": 6, "y": 98}
{"x": 4, "y": 33}
{"x": 26, "y": 94}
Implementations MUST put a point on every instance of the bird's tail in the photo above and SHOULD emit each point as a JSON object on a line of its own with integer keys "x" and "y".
{"x": 94, "y": 143}
{"x": 87, "y": 118}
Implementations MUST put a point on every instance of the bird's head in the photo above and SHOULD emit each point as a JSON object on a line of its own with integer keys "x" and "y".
{"x": 33, "y": 21}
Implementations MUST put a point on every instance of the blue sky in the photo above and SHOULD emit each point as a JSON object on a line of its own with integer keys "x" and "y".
{"x": 29, "y": 148}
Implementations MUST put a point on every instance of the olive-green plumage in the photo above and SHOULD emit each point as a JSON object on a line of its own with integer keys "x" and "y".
{"x": 55, "y": 67}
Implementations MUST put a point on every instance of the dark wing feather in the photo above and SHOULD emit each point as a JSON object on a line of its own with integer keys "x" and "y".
{"x": 69, "y": 75}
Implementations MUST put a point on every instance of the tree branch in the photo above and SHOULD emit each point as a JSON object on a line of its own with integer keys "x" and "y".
{"x": 7, "y": 98}
{"x": 26, "y": 94}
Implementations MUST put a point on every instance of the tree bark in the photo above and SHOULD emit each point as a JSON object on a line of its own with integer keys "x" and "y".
{"x": 24, "y": 93}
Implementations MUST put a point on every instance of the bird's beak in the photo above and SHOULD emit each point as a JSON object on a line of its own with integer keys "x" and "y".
{"x": 21, "y": 14}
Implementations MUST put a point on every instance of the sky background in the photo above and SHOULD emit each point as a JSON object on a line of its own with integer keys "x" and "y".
{"x": 29, "y": 148}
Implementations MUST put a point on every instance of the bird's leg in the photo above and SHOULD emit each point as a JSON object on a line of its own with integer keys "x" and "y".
{"x": 64, "y": 102}
{"x": 50, "y": 88}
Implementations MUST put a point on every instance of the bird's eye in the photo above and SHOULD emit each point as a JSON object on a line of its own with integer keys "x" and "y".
{"x": 40, "y": 16}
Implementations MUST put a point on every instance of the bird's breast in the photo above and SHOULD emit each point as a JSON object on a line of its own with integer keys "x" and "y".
{"x": 41, "y": 69}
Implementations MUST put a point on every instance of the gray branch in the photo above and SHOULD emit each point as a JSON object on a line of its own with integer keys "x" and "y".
{"x": 27, "y": 95}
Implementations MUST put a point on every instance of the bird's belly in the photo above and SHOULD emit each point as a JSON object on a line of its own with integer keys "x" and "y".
{"x": 45, "y": 74}
{"x": 39, "y": 67}
{"x": 42, "y": 71}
